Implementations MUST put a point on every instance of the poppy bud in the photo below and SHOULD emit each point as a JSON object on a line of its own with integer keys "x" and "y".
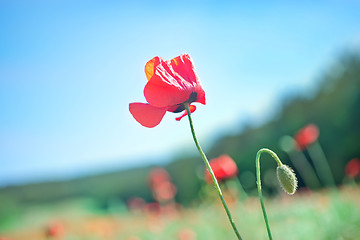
{"x": 287, "y": 178}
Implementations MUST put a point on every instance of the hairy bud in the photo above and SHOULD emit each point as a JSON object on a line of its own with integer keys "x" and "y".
{"x": 287, "y": 178}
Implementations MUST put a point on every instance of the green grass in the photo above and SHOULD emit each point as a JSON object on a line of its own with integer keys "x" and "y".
{"x": 306, "y": 215}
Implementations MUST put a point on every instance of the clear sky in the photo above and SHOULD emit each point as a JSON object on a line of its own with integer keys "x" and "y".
{"x": 69, "y": 69}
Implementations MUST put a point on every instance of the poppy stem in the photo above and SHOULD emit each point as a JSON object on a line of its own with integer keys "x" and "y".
{"x": 321, "y": 164}
{"x": 211, "y": 173}
{"x": 258, "y": 180}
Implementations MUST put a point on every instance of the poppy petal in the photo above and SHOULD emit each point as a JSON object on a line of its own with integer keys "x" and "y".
{"x": 183, "y": 65}
{"x": 200, "y": 94}
{"x": 192, "y": 109}
{"x": 151, "y": 65}
{"x": 147, "y": 115}
{"x": 167, "y": 87}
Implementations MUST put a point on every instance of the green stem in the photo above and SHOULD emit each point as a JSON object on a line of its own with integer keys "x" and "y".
{"x": 259, "y": 183}
{"x": 321, "y": 164}
{"x": 211, "y": 173}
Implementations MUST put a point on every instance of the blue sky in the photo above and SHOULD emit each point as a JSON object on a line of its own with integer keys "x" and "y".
{"x": 69, "y": 69}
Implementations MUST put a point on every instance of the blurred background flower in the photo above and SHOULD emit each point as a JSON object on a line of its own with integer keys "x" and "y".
{"x": 306, "y": 136}
{"x": 352, "y": 168}
{"x": 223, "y": 167}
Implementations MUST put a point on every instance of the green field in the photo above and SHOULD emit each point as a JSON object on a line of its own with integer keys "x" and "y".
{"x": 326, "y": 214}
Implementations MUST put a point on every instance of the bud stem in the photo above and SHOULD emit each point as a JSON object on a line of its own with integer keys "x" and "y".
{"x": 258, "y": 180}
{"x": 211, "y": 173}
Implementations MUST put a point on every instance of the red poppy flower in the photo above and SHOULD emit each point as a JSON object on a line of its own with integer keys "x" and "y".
{"x": 352, "y": 168}
{"x": 306, "y": 136}
{"x": 55, "y": 230}
{"x": 170, "y": 85}
{"x": 223, "y": 167}
{"x": 164, "y": 191}
{"x": 157, "y": 176}
{"x": 161, "y": 185}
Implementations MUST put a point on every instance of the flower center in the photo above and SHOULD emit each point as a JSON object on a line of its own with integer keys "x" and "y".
{"x": 192, "y": 98}
{"x": 181, "y": 106}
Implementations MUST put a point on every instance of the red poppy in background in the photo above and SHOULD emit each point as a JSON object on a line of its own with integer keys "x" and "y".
{"x": 55, "y": 230}
{"x": 160, "y": 183}
{"x": 352, "y": 168}
{"x": 306, "y": 136}
{"x": 223, "y": 167}
{"x": 170, "y": 85}
{"x": 157, "y": 176}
